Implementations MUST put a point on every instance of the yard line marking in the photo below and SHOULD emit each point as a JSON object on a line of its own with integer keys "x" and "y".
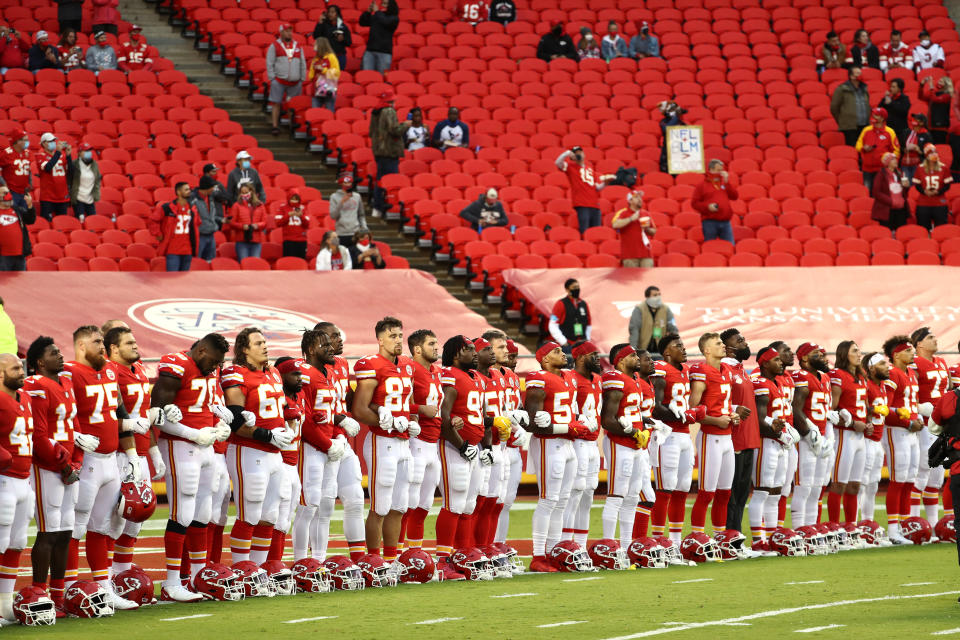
{"x": 560, "y": 624}
{"x": 583, "y": 579}
{"x": 917, "y": 584}
{"x": 726, "y": 624}
{"x": 778, "y": 612}
{"x": 812, "y": 629}
{"x": 813, "y": 582}
{"x": 308, "y": 619}
{"x": 199, "y": 615}
{"x": 696, "y": 580}
{"x": 946, "y": 632}
{"x": 436, "y": 621}
{"x": 515, "y": 595}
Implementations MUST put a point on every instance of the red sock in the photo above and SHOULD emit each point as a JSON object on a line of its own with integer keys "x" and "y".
{"x": 277, "y": 545}
{"x": 123, "y": 548}
{"x": 823, "y": 492}
{"x": 373, "y": 550}
{"x": 357, "y": 549}
{"x": 214, "y": 542}
{"x": 415, "y": 520}
{"x": 56, "y": 591}
{"x": 493, "y": 520}
{"x": 894, "y": 491}
{"x": 677, "y": 510}
{"x": 73, "y": 561}
{"x": 389, "y": 553}
{"x": 464, "y": 538}
{"x": 931, "y": 496}
{"x": 833, "y": 506}
{"x": 906, "y": 500}
{"x": 916, "y": 498}
{"x": 947, "y": 500}
{"x": 240, "y": 540}
{"x": 850, "y": 507}
{"x": 659, "y": 515}
{"x": 196, "y": 548}
{"x": 97, "y": 555}
{"x": 781, "y": 511}
{"x": 185, "y": 557}
{"x": 698, "y": 517}
{"x": 447, "y": 527}
{"x": 480, "y": 514}
{"x": 9, "y": 566}
{"x": 641, "y": 521}
{"x": 718, "y": 513}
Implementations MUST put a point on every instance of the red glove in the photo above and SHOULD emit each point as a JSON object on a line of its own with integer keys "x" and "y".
{"x": 291, "y": 413}
{"x": 5, "y": 458}
{"x": 61, "y": 457}
{"x": 697, "y": 414}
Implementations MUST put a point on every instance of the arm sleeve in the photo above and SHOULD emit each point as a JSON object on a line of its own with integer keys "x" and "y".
{"x": 323, "y": 261}
{"x": 471, "y": 212}
{"x": 48, "y": 168}
{"x": 697, "y": 200}
{"x": 271, "y": 60}
{"x": 466, "y": 134}
{"x": 561, "y": 160}
{"x": 335, "y": 204}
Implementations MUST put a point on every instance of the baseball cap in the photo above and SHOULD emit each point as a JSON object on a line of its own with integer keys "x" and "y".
{"x": 47, "y": 137}
{"x": 207, "y": 168}
{"x": 136, "y": 27}
{"x": 86, "y": 146}
{"x": 243, "y": 154}
{"x": 492, "y": 193}
{"x": 17, "y": 134}
{"x": 929, "y": 148}
{"x": 635, "y": 192}
{"x": 285, "y": 26}
{"x": 206, "y": 182}
{"x": 99, "y": 34}
{"x": 345, "y": 178}
{"x": 41, "y": 35}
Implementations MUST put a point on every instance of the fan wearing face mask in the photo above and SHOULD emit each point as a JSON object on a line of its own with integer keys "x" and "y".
{"x": 650, "y": 321}
{"x": 54, "y": 166}
{"x": 712, "y": 199}
{"x": 244, "y": 172}
{"x": 570, "y": 317}
{"x": 556, "y": 44}
{"x": 85, "y": 185}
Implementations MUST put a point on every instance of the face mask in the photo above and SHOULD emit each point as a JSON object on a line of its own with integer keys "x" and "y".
{"x": 654, "y": 301}
{"x": 50, "y": 146}
{"x": 925, "y": 43}
{"x": 26, "y": 145}
{"x": 575, "y": 293}
{"x": 86, "y": 156}
{"x": 245, "y": 197}
{"x": 244, "y": 164}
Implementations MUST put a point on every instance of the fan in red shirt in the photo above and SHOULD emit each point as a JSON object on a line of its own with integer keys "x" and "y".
{"x": 177, "y": 225}
{"x": 54, "y": 165}
{"x": 134, "y": 55}
{"x": 294, "y": 223}
{"x": 712, "y": 200}
{"x": 636, "y": 228}
{"x": 584, "y": 185}
{"x": 874, "y": 142}
{"x": 15, "y": 165}
{"x": 472, "y": 11}
{"x": 246, "y": 221}
{"x": 932, "y": 179}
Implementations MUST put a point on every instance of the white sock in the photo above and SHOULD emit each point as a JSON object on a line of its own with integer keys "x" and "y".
{"x": 6, "y": 604}
{"x": 582, "y": 521}
{"x": 541, "y": 525}
{"x": 868, "y": 500}
{"x": 611, "y": 511}
{"x": 813, "y": 506}
{"x": 893, "y": 529}
{"x": 119, "y": 567}
{"x": 628, "y": 513}
{"x": 932, "y": 512}
{"x": 503, "y": 523}
{"x": 320, "y": 528}
{"x": 798, "y": 504}
{"x": 771, "y": 506}
{"x": 301, "y": 531}
{"x": 755, "y": 509}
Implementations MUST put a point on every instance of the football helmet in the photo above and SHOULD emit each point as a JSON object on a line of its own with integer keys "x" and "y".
{"x": 853, "y": 536}
{"x": 137, "y": 500}
{"x": 731, "y": 544}
{"x": 917, "y": 530}
{"x": 279, "y": 577}
{"x": 787, "y": 542}
{"x": 513, "y": 558}
{"x": 844, "y": 543}
{"x": 498, "y": 560}
{"x": 607, "y": 554}
{"x": 344, "y": 574}
{"x": 699, "y": 547}
{"x": 671, "y": 550}
{"x": 33, "y": 607}
{"x": 416, "y": 566}
{"x": 813, "y": 541}
{"x": 218, "y": 582}
{"x": 872, "y": 533}
{"x": 254, "y": 580}
{"x": 376, "y": 572}
{"x": 568, "y": 556}
{"x": 135, "y": 585}
{"x": 86, "y": 599}
{"x": 831, "y": 538}
{"x": 472, "y": 563}
{"x": 944, "y": 530}
{"x": 310, "y": 576}
{"x": 646, "y": 553}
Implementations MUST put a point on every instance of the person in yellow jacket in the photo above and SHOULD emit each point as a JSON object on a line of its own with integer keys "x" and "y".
{"x": 324, "y": 72}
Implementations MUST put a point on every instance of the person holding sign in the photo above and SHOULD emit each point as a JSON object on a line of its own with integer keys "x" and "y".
{"x": 712, "y": 199}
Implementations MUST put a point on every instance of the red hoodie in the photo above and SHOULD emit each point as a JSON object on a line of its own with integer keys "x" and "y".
{"x": 713, "y": 191}
{"x": 241, "y": 214}
{"x": 13, "y": 52}
{"x": 292, "y": 219}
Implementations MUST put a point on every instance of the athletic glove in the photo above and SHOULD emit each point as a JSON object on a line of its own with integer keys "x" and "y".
{"x": 221, "y": 412}
{"x": 249, "y": 418}
{"x": 785, "y": 438}
{"x": 627, "y": 425}
{"x": 338, "y": 449}
{"x": 903, "y": 413}
{"x": 926, "y": 409}
{"x": 85, "y": 441}
{"x": 469, "y": 451}
{"x": 351, "y": 426}
{"x": 205, "y": 436}
{"x": 400, "y": 424}
{"x": 169, "y": 412}
{"x": 642, "y": 437}
{"x": 933, "y": 427}
{"x": 281, "y": 438}
{"x": 413, "y": 429}
{"x": 222, "y": 431}
{"x": 827, "y": 449}
{"x": 541, "y": 419}
{"x": 504, "y": 426}
{"x": 793, "y": 433}
{"x": 386, "y": 419}
{"x": 61, "y": 457}
{"x": 137, "y": 425}
{"x": 833, "y": 416}
{"x": 676, "y": 412}
{"x": 158, "y": 467}
{"x": 133, "y": 465}
{"x": 590, "y": 422}
{"x": 486, "y": 458}
{"x": 696, "y": 414}
{"x": 845, "y": 418}
{"x": 519, "y": 417}
{"x": 522, "y": 438}
{"x": 881, "y": 410}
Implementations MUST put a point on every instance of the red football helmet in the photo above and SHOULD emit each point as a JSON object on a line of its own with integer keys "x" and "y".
{"x": 607, "y": 554}
{"x": 310, "y": 576}
{"x": 853, "y": 535}
{"x": 86, "y": 599}
{"x": 218, "y": 582}
{"x": 134, "y": 584}
{"x": 699, "y": 547}
{"x": 787, "y": 542}
{"x": 917, "y": 530}
{"x": 646, "y": 553}
{"x": 279, "y": 577}
{"x": 839, "y": 534}
{"x": 731, "y": 544}
{"x": 568, "y": 556}
{"x": 344, "y": 574}
{"x": 498, "y": 561}
{"x": 944, "y": 529}
{"x": 137, "y": 501}
{"x": 872, "y": 533}
{"x": 33, "y": 607}
{"x": 416, "y": 566}
{"x": 831, "y": 539}
{"x": 376, "y": 572}
{"x": 254, "y": 579}
{"x": 814, "y": 542}
{"x": 513, "y": 558}
{"x": 671, "y": 550}
{"x": 472, "y": 563}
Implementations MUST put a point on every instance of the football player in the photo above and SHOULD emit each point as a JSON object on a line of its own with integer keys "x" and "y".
{"x": 292, "y": 380}
{"x": 745, "y": 435}
{"x": 382, "y": 402}
{"x": 674, "y": 456}
{"x": 661, "y": 431}
{"x": 711, "y": 386}
{"x": 849, "y": 400}
{"x": 811, "y": 405}
{"x": 519, "y": 441}
{"x": 56, "y": 464}
{"x": 933, "y": 377}
{"x": 901, "y": 444}
{"x": 878, "y": 371}
{"x": 785, "y": 381}
{"x": 16, "y": 497}
{"x": 187, "y": 391}
{"x": 586, "y": 373}
{"x": 427, "y": 394}
{"x": 486, "y": 514}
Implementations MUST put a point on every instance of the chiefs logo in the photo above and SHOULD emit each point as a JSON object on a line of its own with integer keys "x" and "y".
{"x": 111, "y": 374}
{"x": 418, "y": 563}
{"x": 7, "y": 220}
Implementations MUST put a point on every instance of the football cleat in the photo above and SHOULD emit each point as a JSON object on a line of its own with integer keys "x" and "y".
{"x": 310, "y": 576}
{"x": 568, "y": 556}
{"x": 944, "y": 529}
{"x": 416, "y": 566}
{"x": 86, "y": 599}
{"x": 699, "y": 547}
{"x": 542, "y": 565}
{"x": 646, "y": 553}
{"x": 137, "y": 500}
{"x": 787, "y": 542}
{"x": 376, "y": 572}
{"x": 344, "y": 574}
{"x": 731, "y": 543}
{"x": 279, "y": 577}
{"x": 33, "y": 607}
{"x": 179, "y": 593}
{"x": 516, "y": 563}
{"x": 472, "y": 563}
{"x": 216, "y": 582}
{"x": 607, "y": 554}
{"x": 118, "y": 603}
{"x": 917, "y": 530}
{"x": 134, "y": 585}
{"x": 447, "y": 572}
{"x": 255, "y": 581}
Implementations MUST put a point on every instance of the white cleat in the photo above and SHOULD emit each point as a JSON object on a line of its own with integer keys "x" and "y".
{"x": 178, "y": 593}
{"x": 7, "y": 622}
{"x": 932, "y": 540}
{"x": 120, "y": 604}
{"x": 896, "y": 538}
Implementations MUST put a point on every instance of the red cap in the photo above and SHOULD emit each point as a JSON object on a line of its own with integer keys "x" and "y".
{"x": 136, "y": 27}
{"x": 879, "y": 111}
{"x": 806, "y": 348}
{"x": 345, "y": 178}
{"x": 767, "y": 356}
{"x": 17, "y": 134}
{"x": 929, "y": 148}
{"x": 512, "y": 347}
{"x": 546, "y": 348}
{"x": 584, "y": 348}
{"x": 86, "y": 146}
{"x": 480, "y": 343}
{"x": 285, "y": 26}
{"x": 289, "y": 365}
{"x": 8, "y": 196}
{"x": 623, "y": 353}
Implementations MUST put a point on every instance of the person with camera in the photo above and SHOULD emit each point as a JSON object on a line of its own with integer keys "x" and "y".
{"x": 324, "y": 73}
{"x": 332, "y": 27}
{"x": 672, "y": 116}
{"x": 635, "y": 227}
{"x": 13, "y": 49}
{"x": 584, "y": 185}
{"x": 712, "y": 199}
{"x": 294, "y": 223}
{"x": 55, "y": 168}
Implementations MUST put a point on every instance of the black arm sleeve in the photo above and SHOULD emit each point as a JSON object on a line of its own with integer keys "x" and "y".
{"x": 238, "y": 420}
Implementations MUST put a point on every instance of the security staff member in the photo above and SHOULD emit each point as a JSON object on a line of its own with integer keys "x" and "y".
{"x": 570, "y": 317}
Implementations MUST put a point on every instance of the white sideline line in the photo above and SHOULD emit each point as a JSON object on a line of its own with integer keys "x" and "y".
{"x": 199, "y": 615}
{"x": 777, "y": 612}
{"x": 946, "y": 632}
{"x": 583, "y": 579}
{"x": 560, "y": 624}
{"x": 308, "y": 619}
{"x": 812, "y": 582}
{"x": 436, "y": 621}
{"x": 917, "y": 584}
{"x": 695, "y": 580}
{"x": 515, "y": 595}
{"x": 812, "y": 629}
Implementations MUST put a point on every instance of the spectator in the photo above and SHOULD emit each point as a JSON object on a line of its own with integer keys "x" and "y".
{"x": 850, "y": 106}
{"x": 485, "y": 211}
{"x": 613, "y": 44}
{"x": 890, "y": 206}
{"x": 332, "y": 27}
{"x": 471, "y": 11}
{"x": 897, "y": 104}
{"x": 71, "y": 53}
{"x": 386, "y": 141}
{"x": 14, "y": 239}
{"x": 588, "y": 47}
{"x": 43, "y": 55}
{"x": 244, "y": 172}
{"x": 939, "y": 100}
{"x": 325, "y": 75}
{"x": 333, "y": 257}
{"x": 346, "y": 210}
{"x": 211, "y": 219}
{"x": 635, "y": 227}
{"x": 8, "y": 333}
{"x": 55, "y": 168}
{"x": 916, "y": 139}
{"x": 85, "y": 183}
{"x": 135, "y": 52}
{"x": 364, "y": 254}
{"x": 896, "y": 54}
{"x": 712, "y": 199}
{"x": 503, "y": 11}
{"x": 650, "y": 321}
{"x": 69, "y": 14}
{"x": 220, "y": 198}
{"x": 101, "y": 55}
{"x": 383, "y": 24}
{"x": 556, "y": 44}
{"x": 452, "y": 132}
{"x": 286, "y": 71}
{"x": 927, "y": 54}
{"x": 863, "y": 53}
{"x": 672, "y": 116}
{"x": 583, "y": 187}
{"x": 295, "y": 223}
{"x": 932, "y": 180}
{"x": 13, "y": 49}
{"x": 874, "y": 142}
{"x": 246, "y": 222}
{"x": 176, "y": 226}
{"x": 418, "y": 135}
{"x": 105, "y": 16}
{"x": 15, "y": 166}
{"x": 644, "y": 45}
{"x": 954, "y": 137}
{"x": 833, "y": 54}
{"x": 570, "y": 317}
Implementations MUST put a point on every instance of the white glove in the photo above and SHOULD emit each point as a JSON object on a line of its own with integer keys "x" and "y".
{"x": 205, "y": 437}
{"x": 827, "y": 450}
{"x": 926, "y": 409}
{"x": 338, "y": 449}
{"x": 519, "y": 418}
{"x": 351, "y": 426}
{"x": 933, "y": 427}
{"x": 221, "y": 412}
{"x": 223, "y": 431}
{"x": 281, "y": 438}
{"x": 661, "y": 431}
{"x": 249, "y": 418}
{"x": 845, "y": 417}
{"x": 386, "y": 419}
{"x": 155, "y": 416}
{"x": 676, "y": 412}
{"x": 786, "y": 439}
{"x": 169, "y": 412}
{"x": 137, "y": 425}
{"x": 413, "y": 429}
{"x": 133, "y": 462}
{"x": 486, "y": 458}
{"x": 793, "y": 433}
{"x": 589, "y": 421}
{"x": 470, "y": 452}
{"x": 833, "y": 416}
{"x": 814, "y": 439}
{"x": 158, "y": 467}
{"x": 85, "y": 441}
{"x": 627, "y": 425}
{"x": 541, "y": 419}
{"x": 400, "y": 424}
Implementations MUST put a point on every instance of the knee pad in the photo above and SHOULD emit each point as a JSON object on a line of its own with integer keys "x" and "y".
{"x": 387, "y": 475}
{"x": 417, "y": 466}
{"x": 459, "y": 478}
{"x": 8, "y": 510}
{"x": 352, "y": 497}
{"x": 549, "y": 503}
{"x": 254, "y": 486}
{"x": 188, "y": 479}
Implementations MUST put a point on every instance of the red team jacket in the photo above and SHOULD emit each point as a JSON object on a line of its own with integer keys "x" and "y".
{"x": 746, "y": 435}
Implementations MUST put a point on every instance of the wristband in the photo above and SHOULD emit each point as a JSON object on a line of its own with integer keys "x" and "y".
{"x": 126, "y": 434}
{"x": 238, "y": 420}
{"x": 463, "y": 447}
{"x": 261, "y": 435}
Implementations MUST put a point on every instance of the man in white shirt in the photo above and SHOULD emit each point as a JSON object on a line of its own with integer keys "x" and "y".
{"x": 85, "y": 185}
{"x": 927, "y": 54}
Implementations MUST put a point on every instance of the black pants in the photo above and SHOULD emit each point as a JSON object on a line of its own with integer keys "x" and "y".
{"x": 295, "y": 249}
{"x": 50, "y": 209}
{"x": 850, "y": 136}
{"x": 740, "y": 490}
{"x": 955, "y": 489}
{"x": 76, "y": 25}
{"x": 109, "y": 28}
{"x": 898, "y": 218}
{"x": 13, "y": 263}
{"x": 930, "y": 217}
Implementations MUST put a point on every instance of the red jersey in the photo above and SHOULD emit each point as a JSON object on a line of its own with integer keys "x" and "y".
{"x": 631, "y": 403}
{"x": 469, "y": 403}
{"x": 494, "y": 390}
{"x": 52, "y": 168}
{"x": 264, "y": 397}
{"x": 15, "y": 169}
{"x": 589, "y": 394}
{"x": 903, "y": 393}
{"x": 938, "y": 181}
{"x": 776, "y": 400}
{"x": 135, "y": 391}
{"x": 676, "y": 391}
{"x": 320, "y": 403}
{"x": 901, "y": 56}
{"x": 97, "y": 396}
{"x": 955, "y": 375}
{"x": 745, "y": 434}
{"x": 339, "y": 376}
{"x": 559, "y": 399}
{"x": 513, "y": 399}
{"x": 177, "y": 225}
{"x": 134, "y": 56}
{"x": 853, "y": 394}
{"x": 16, "y": 426}
{"x": 473, "y": 11}
{"x": 293, "y": 222}
{"x": 817, "y": 404}
{"x": 933, "y": 376}
{"x": 291, "y": 453}
{"x": 787, "y": 390}
{"x": 716, "y": 398}
{"x": 583, "y": 185}
{"x": 634, "y": 241}
{"x": 54, "y": 410}
{"x": 427, "y": 391}
{"x": 649, "y": 399}
{"x": 876, "y": 396}
{"x": 393, "y": 390}
{"x": 196, "y": 393}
